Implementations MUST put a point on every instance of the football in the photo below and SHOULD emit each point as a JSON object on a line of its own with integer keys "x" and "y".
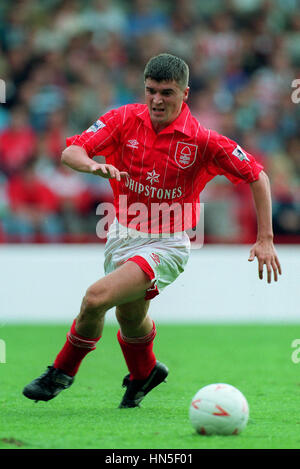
{"x": 219, "y": 409}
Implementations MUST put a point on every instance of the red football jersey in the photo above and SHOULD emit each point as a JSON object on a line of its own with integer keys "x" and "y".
{"x": 167, "y": 170}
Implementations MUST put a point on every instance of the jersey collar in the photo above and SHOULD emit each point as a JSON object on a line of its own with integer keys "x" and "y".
{"x": 181, "y": 124}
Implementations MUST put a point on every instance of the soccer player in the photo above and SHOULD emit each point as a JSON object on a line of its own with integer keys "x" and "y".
{"x": 158, "y": 155}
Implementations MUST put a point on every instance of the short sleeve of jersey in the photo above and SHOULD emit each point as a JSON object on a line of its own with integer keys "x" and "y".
{"x": 101, "y": 138}
{"x": 225, "y": 157}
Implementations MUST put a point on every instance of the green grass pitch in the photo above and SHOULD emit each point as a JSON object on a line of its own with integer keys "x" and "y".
{"x": 257, "y": 359}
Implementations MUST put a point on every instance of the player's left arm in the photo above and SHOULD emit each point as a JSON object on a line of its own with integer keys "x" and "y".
{"x": 264, "y": 248}
{"x": 226, "y": 157}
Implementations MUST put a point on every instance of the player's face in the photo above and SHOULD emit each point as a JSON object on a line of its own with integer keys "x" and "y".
{"x": 164, "y": 100}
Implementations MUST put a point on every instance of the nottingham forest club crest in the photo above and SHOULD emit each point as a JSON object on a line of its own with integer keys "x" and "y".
{"x": 185, "y": 154}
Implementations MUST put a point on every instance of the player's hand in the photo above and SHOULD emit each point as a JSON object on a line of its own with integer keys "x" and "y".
{"x": 266, "y": 255}
{"x": 107, "y": 171}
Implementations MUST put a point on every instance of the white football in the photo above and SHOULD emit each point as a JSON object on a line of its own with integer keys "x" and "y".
{"x": 219, "y": 409}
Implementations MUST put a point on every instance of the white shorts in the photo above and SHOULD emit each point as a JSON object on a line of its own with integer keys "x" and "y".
{"x": 162, "y": 258}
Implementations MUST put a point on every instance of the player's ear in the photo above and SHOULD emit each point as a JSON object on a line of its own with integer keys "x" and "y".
{"x": 186, "y": 93}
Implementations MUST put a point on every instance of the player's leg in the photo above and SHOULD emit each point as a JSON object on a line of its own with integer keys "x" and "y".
{"x": 134, "y": 319}
{"x": 136, "y": 335}
{"x": 127, "y": 283}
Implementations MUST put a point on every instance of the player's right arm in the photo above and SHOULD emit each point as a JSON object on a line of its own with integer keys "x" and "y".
{"x": 77, "y": 158}
{"x": 101, "y": 138}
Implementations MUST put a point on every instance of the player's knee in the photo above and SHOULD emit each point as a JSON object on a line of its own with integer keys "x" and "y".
{"x": 95, "y": 301}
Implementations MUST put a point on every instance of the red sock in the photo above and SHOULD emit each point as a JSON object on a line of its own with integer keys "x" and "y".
{"x": 138, "y": 354}
{"x": 74, "y": 351}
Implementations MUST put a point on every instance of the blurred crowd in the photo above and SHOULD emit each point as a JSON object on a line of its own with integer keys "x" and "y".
{"x": 64, "y": 63}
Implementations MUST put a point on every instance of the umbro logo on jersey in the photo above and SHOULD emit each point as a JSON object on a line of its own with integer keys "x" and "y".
{"x": 132, "y": 144}
{"x": 185, "y": 154}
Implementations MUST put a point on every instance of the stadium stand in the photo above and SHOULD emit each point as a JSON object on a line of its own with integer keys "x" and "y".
{"x": 65, "y": 63}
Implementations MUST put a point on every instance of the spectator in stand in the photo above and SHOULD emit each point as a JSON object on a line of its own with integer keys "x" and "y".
{"x": 285, "y": 177}
{"x": 59, "y": 56}
{"x": 146, "y": 17}
{"x": 73, "y": 197}
{"x": 33, "y": 208}
{"x": 17, "y": 142}
{"x": 53, "y": 137}
{"x": 293, "y": 149}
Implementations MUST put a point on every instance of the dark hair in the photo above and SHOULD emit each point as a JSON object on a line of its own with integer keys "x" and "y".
{"x": 167, "y": 67}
